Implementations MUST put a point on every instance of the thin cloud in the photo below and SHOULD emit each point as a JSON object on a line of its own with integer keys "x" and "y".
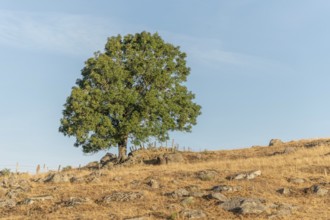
{"x": 72, "y": 34}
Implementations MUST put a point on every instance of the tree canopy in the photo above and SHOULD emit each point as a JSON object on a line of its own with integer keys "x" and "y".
{"x": 134, "y": 90}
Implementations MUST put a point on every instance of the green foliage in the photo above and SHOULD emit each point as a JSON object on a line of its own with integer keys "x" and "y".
{"x": 5, "y": 172}
{"x": 133, "y": 90}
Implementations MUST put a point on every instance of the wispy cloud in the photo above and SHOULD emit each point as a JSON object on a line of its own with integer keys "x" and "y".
{"x": 66, "y": 33}
{"x": 211, "y": 52}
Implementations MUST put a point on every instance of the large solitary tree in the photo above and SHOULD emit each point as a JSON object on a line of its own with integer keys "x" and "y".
{"x": 132, "y": 91}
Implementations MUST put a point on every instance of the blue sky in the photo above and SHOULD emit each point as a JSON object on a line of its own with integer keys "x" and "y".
{"x": 260, "y": 69}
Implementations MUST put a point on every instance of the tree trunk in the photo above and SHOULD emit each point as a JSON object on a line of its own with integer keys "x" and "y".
{"x": 122, "y": 150}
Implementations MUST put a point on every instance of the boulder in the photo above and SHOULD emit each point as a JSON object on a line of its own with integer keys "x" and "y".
{"x": 206, "y": 175}
{"x": 296, "y": 180}
{"x": 57, "y": 178}
{"x": 317, "y": 190}
{"x": 240, "y": 205}
{"x": 122, "y": 197}
{"x": 217, "y": 196}
{"x": 226, "y": 188}
{"x": 275, "y": 142}
{"x": 284, "y": 191}
{"x": 248, "y": 175}
{"x": 108, "y": 158}
{"x": 153, "y": 184}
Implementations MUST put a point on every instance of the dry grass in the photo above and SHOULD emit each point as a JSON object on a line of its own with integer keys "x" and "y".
{"x": 307, "y": 163}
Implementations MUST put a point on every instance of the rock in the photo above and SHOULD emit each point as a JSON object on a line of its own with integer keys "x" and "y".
{"x": 226, "y": 188}
{"x": 7, "y": 203}
{"x": 207, "y": 175}
{"x": 249, "y": 175}
{"x": 170, "y": 158}
{"x": 153, "y": 184}
{"x": 73, "y": 201}
{"x": 31, "y": 200}
{"x": 57, "y": 178}
{"x": 218, "y": 196}
{"x": 123, "y": 197}
{"x": 179, "y": 193}
{"x": 108, "y": 158}
{"x": 240, "y": 205}
{"x": 284, "y": 191}
{"x": 93, "y": 165}
{"x": 296, "y": 180}
{"x": 187, "y": 201}
{"x": 193, "y": 214}
{"x": 317, "y": 189}
{"x": 274, "y": 142}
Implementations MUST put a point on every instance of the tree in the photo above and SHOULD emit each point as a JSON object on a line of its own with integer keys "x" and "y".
{"x": 134, "y": 90}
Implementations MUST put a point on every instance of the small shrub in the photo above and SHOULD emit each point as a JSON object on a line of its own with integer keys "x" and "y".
{"x": 67, "y": 168}
{"x": 5, "y": 172}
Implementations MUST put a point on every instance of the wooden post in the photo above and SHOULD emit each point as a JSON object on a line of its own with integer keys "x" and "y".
{"x": 17, "y": 168}
{"x": 38, "y": 169}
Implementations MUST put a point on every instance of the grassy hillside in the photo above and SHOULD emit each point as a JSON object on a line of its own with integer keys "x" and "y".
{"x": 291, "y": 182}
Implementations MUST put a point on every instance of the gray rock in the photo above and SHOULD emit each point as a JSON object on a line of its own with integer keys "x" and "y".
{"x": 57, "y": 178}
{"x": 218, "y": 196}
{"x": 193, "y": 214}
{"x": 188, "y": 200}
{"x": 108, "y": 158}
{"x": 226, "y": 188}
{"x": 153, "y": 184}
{"x": 248, "y": 175}
{"x": 317, "y": 189}
{"x": 73, "y": 201}
{"x": 31, "y": 200}
{"x": 180, "y": 193}
{"x": 240, "y": 205}
{"x": 123, "y": 197}
{"x": 296, "y": 180}
{"x": 284, "y": 191}
{"x": 171, "y": 158}
{"x": 207, "y": 175}
{"x": 93, "y": 165}
{"x": 274, "y": 142}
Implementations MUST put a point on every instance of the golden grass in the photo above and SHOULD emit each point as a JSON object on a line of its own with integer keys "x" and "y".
{"x": 307, "y": 163}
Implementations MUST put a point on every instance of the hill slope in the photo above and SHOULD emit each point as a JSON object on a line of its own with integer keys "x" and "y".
{"x": 285, "y": 181}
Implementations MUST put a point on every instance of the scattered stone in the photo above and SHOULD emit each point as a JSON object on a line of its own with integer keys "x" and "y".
{"x": 7, "y": 203}
{"x": 317, "y": 189}
{"x": 284, "y": 191}
{"x": 179, "y": 193}
{"x": 108, "y": 158}
{"x": 296, "y": 180}
{"x": 153, "y": 184}
{"x": 170, "y": 158}
{"x": 226, "y": 188}
{"x": 240, "y": 205}
{"x": 207, "y": 175}
{"x": 275, "y": 142}
{"x": 31, "y": 200}
{"x": 73, "y": 201}
{"x": 218, "y": 196}
{"x": 57, "y": 178}
{"x": 123, "y": 197}
{"x": 193, "y": 214}
{"x": 93, "y": 166}
{"x": 241, "y": 176}
{"x": 188, "y": 201}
